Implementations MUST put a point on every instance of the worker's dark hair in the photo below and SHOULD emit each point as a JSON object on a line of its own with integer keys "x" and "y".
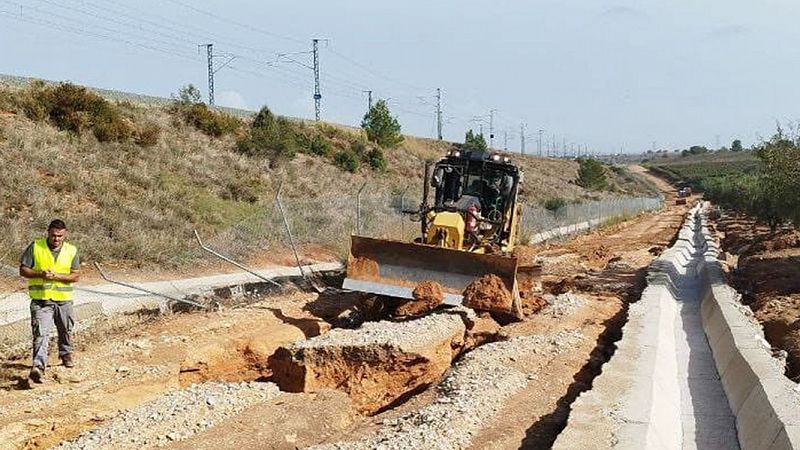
{"x": 57, "y": 224}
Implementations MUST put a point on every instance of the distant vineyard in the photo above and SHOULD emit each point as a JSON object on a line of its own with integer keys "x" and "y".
{"x": 765, "y": 187}
{"x": 698, "y": 174}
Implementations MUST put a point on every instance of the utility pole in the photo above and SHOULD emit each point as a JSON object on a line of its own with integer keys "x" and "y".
{"x": 522, "y": 138}
{"x": 553, "y": 146}
{"x": 540, "y": 141}
{"x": 563, "y": 146}
{"x": 505, "y": 140}
{"x": 317, "y": 94}
{"x": 210, "y": 52}
{"x": 369, "y": 99}
{"x": 439, "y": 113}
{"x": 491, "y": 128}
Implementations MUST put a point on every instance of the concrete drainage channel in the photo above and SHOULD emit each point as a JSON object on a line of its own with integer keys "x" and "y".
{"x": 692, "y": 369}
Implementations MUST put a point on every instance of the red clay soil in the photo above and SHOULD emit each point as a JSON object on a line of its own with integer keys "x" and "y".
{"x": 488, "y": 293}
{"x": 428, "y": 295}
{"x": 768, "y": 276}
{"x": 532, "y": 304}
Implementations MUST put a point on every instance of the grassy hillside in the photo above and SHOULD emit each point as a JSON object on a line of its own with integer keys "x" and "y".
{"x": 133, "y": 180}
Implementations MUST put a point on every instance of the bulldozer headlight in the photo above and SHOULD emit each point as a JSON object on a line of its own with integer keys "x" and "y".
{"x": 505, "y": 159}
{"x": 495, "y": 157}
{"x": 455, "y": 153}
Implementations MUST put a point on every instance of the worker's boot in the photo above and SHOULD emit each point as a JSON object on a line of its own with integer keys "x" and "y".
{"x": 67, "y": 361}
{"x": 36, "y": 374}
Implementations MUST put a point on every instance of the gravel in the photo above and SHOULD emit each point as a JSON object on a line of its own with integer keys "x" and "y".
{"x": 467, "y": 399}
{"x": 173, "y": 417}
{"x": 562, "y": 305}
{"x": 404, "y": 335}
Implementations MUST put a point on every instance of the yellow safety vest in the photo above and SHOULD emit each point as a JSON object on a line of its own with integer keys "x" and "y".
{"x": 40, "y": 289}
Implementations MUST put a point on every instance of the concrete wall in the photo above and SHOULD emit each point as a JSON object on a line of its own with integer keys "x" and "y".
{"x": 765, "y": 403}
{"x": 635, "y": 402}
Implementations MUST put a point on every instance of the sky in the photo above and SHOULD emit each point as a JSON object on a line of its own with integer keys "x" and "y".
{"x": 606, "y": 76}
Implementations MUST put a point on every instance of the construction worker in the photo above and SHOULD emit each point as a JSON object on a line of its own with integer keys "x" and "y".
{"x": 51, "y": 267}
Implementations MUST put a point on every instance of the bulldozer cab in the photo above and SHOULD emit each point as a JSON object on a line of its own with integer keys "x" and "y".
{"x": 478, "y": 185}
{"x": 468, "y": 230}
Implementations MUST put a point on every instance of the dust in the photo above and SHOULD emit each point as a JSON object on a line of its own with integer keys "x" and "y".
{"x": 488, "y": 293}
{"x": 428, "y": 295}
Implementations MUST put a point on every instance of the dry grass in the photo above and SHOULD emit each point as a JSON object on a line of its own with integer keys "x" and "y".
{"x": 138, "y": 205}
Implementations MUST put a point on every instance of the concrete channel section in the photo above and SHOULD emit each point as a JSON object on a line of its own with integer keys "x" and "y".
{"x": 691, "y": 370}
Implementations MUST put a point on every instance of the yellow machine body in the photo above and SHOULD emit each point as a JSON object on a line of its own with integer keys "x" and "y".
{"x": 446, "y": 230}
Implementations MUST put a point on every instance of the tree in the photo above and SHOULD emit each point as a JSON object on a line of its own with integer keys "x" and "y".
{"x": 188, "y": 95}
{"x": 736, "y": 146}
{"x": 780, "y": 159}
{"x": 473, "y": 141}
{"x": 591, "y": 174}
{"x": 381, "y": 127}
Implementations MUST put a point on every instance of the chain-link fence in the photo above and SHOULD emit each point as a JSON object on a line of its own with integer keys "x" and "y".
{"x": 537, "y": 220}
{"x": 325, "y": 223}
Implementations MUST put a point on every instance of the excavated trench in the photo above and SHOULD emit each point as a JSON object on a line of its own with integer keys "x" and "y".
{"x": 349, "y": 344}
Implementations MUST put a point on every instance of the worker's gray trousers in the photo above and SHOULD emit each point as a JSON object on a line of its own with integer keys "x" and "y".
{"x": 44, "y": 313}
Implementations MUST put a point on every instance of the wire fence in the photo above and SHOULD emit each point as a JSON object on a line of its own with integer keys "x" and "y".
{"x": 537, "y": 219}
{"x": 327, "y": 222}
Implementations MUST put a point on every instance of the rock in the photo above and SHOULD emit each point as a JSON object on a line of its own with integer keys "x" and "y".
{"x": 488, "y": 293}
{"x": 428, "y": 295}
{"x": 375, "y": 364}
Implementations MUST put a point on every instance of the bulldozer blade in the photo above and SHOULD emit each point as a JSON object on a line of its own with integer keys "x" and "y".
{"x": 395, "y": 268}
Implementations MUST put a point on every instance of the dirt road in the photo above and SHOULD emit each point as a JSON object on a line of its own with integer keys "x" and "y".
{"x": 144, "y": 361}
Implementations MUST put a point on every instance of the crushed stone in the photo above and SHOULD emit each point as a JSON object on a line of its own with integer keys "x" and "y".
{"x": 468, "y": 398}
{"x": 174, "y": 416}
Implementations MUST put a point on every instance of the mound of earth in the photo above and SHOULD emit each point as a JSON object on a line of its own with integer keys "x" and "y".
{"x": 488, "y": 293}
{"x": 428, "y": 295}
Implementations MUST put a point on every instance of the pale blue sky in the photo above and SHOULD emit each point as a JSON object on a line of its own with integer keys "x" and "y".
{"x": 610, "y": 75}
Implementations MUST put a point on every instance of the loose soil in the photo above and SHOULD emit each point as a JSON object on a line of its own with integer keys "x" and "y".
{"x": 125, "y": 368}
{"x": 766, "y": 271}
{"x": 428, "y": 295}
{"x": 488, "y": 293}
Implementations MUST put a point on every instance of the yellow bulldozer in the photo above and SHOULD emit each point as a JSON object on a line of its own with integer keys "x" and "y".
{"x": 467, "y": 230}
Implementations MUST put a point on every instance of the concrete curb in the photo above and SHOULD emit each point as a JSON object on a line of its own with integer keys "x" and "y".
{"x": 765, "y": 403}
{"x": 635, "y": 402}
{"x": 104, "y": 300}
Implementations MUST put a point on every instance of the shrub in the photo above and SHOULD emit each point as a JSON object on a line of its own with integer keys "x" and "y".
{"x": 376, "y": 160}
{"x": 148, "y": 134}
{"x": 72, "y": 107}
{"x": 554, "y": 204}
{"x": 187, "y": 105}
{"x": 319, "y": 146}
{"x": 270, "y": 137}
{"x": 210, "y": 122}
{"x": 188, "y": 95}
{"x": 359, "y": 148}
{"x": 381, "y": 127}
{"x": 110, "y": 126}
{"x": 592, "y": 174}
{"x": 347, "y": 160}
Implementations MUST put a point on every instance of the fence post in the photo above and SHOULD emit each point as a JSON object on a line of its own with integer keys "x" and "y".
{"x": 402, "y": 218}
{"x": 288, "y": 230}
{"x": 358, "y": 208}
